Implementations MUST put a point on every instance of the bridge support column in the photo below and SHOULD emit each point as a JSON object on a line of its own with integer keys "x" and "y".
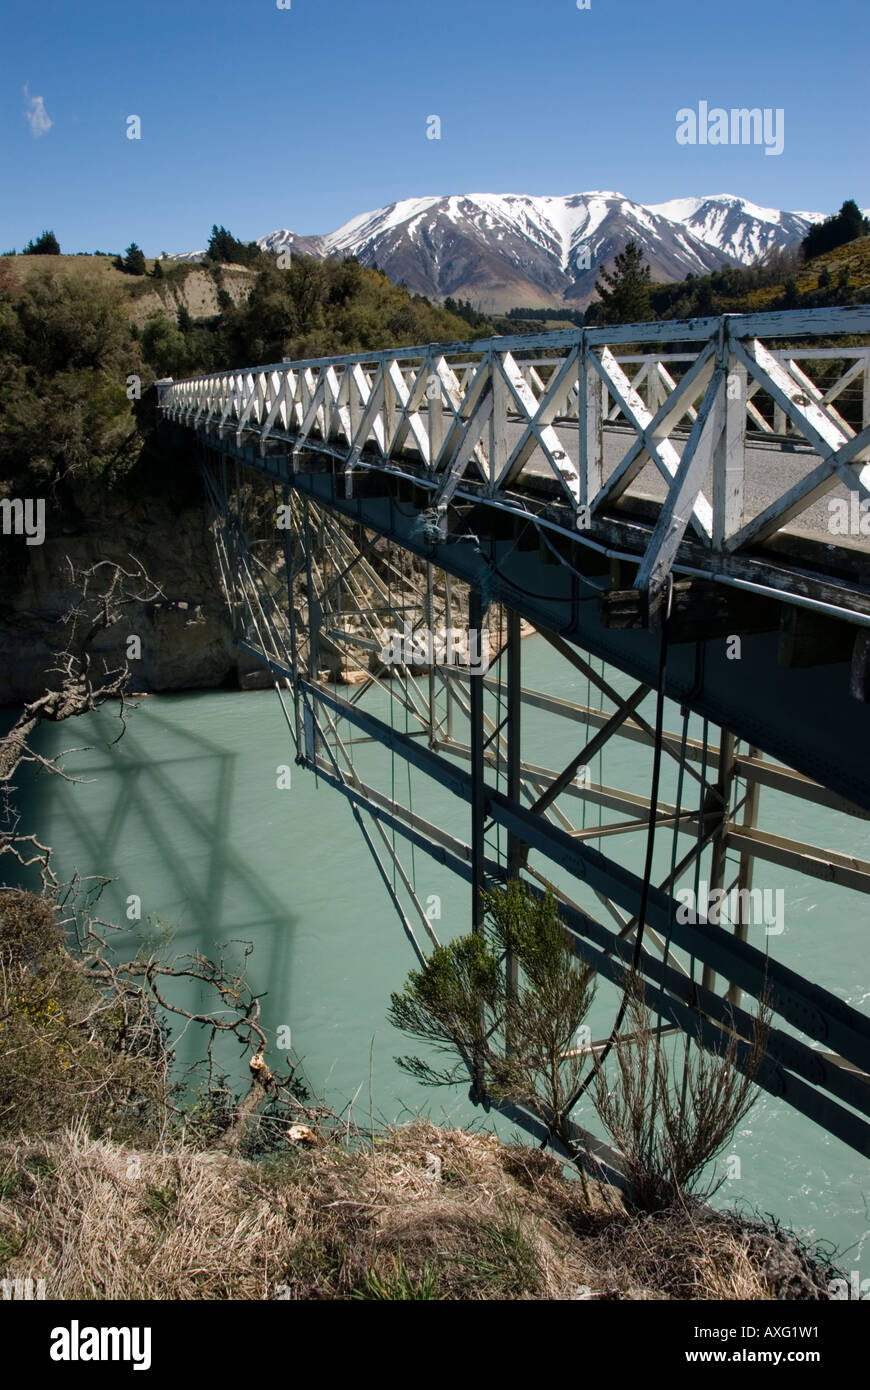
{"x": 475, "y": 624}
{"x": 291, "y": 614}
{"x": 448, "y": 600}
{"x": 313, "y": 605}
{"x": 429, "y": 623}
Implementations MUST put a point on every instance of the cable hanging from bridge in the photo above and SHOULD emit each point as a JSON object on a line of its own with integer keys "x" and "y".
{"x": 598, "y": 1062}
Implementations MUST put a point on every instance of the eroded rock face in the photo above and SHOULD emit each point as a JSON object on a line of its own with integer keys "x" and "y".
{"x": 186, "y": 636}
{"x": 197, "y": 293}
{"x": 190, "y": 646}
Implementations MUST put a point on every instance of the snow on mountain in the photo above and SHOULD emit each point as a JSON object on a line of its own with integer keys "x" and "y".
{"x": 502, "y": 249}
{"x": 741, "y": 230}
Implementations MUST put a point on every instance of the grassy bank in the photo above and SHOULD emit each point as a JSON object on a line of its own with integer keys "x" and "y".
{"x": 115, "y": 1184}
{"x": 425, "y": 1213}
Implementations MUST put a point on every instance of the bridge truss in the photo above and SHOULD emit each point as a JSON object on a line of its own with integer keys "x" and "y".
{"x": 347, "y": 512}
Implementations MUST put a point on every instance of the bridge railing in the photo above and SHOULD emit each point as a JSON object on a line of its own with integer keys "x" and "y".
{"x": 498, "y": 411}
{"x": 652, "y": 371}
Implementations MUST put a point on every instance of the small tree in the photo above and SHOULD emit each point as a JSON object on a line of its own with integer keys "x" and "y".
{"x": 164, "y": 346}
{"x": 668, "y": 1121}
{"x": 521, "y": 1046}
{"x": 45, "y": 245}
{"x": 790, "y": 294}
{"x": 623, "y": 292}
{"x": 133, "y": 261}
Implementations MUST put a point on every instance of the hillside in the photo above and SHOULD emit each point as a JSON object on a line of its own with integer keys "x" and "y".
{"x": 836, "y": 278}
{"x": 81, "y": 344}
{"x": 76, "y": 333}
{"x": 423, "y": 1213}
{"x": 180, "y": 286}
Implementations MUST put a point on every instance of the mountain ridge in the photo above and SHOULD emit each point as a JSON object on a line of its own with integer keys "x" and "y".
{"x": 503, "y": 250}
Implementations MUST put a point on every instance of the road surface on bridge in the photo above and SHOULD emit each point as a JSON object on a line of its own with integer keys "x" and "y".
{"x": 772, "y": 467}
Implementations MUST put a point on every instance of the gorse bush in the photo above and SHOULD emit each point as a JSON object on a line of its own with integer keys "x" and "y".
{"x": 28, "y": 929}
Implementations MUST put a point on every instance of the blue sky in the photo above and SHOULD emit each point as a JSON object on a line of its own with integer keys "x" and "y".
{"x": 259, "y": 118}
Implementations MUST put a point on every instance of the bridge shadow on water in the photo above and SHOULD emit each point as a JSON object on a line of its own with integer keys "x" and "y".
{"x": 175, "y": 814}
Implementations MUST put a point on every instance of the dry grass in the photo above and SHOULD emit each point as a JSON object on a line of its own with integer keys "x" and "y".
{"x": 427, "y": 1214}
{"x": 68, "y": 267}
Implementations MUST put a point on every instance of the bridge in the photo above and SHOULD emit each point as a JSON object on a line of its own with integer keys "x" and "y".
{"x": 682, "y": 511}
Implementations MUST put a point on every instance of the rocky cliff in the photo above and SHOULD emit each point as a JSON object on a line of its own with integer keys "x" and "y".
{"x": 186, "y": 636}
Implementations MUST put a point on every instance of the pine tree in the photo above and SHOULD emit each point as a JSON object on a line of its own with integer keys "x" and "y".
{"x": 133, "y": 261}
{"x": 623, "y": 292}
{"x": 848, "y": 224}
{"x": 45, "y": 245}
{"x": 221, "y": 244}
{"x": 852, "y": 221}
{"x": 224, "y": 248}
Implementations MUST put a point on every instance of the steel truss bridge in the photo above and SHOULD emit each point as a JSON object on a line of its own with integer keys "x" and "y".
{"x": 657, "y": 502}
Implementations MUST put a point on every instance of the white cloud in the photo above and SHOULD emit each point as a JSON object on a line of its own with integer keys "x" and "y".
{"x": 37, "y": 117}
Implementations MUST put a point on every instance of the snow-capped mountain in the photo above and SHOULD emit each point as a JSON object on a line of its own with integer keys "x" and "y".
{"x": 500, "y": 250}
{"x": 739, "y": 229}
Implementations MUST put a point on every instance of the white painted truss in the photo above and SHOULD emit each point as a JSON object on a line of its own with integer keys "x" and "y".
{"x": 479, "y": 415}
